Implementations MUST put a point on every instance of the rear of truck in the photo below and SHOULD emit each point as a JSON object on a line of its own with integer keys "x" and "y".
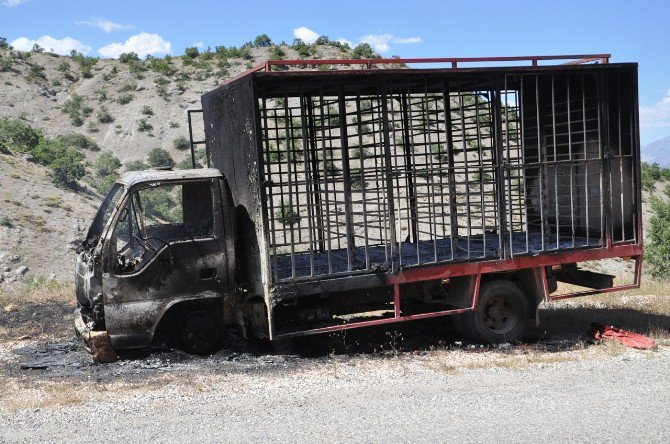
{"x": 374, "y": 196}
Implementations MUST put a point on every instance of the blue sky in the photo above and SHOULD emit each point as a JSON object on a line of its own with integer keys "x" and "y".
{"x": 631, "y": 31}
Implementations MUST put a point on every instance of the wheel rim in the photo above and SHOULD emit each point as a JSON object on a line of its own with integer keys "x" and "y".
{"x": 500, "y": 314}
{"x": 197, "y": 334}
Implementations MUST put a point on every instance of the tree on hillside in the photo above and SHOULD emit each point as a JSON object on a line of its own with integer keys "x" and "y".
{"x": 657, "y": 252}
{"x": 262, "y": 40}
{"x": 364, "y": 51}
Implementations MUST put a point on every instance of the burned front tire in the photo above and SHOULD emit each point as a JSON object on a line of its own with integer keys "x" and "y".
{"x": 501, "y": 314}
{"x": 199, "y": 333}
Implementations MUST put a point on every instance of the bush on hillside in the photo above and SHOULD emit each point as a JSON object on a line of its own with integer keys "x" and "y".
{"x": 181, "y": 143}
{"x": 262, "y": 41}
{"x": 79, "y": 141}
{"x": 104, "y": 115}
{"x": 364, "y": 51}
{"x": 657, "y": 252}
{"x": 66, "y": 163}
{"x": 158, "y": 157}
{"x": 17, "y": 135}
{"x": 191, "y": 52}
{"x": 136, "y": 165}
{"x": 128, "y": 57}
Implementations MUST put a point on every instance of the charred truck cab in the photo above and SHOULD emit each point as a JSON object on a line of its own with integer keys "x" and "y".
{"x": 358, "y": 197}
{"x": 159, "y": 249}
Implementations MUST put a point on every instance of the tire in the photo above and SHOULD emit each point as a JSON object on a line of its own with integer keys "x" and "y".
{"x": 199, "y": 333}
{"x": 501, "y": 314}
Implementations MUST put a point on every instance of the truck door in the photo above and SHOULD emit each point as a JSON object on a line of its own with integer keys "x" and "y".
{"x": 167, "y": 246}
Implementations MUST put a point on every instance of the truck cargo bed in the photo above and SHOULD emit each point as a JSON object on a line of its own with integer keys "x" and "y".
{"x": 377, "y": 258}
{"x": 346, "y": 172}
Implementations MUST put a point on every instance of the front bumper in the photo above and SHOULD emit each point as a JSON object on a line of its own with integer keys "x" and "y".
{"x": 97, "y": 343}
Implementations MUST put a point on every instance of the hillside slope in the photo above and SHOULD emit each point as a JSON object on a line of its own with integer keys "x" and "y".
{"x": 40, "y": 223}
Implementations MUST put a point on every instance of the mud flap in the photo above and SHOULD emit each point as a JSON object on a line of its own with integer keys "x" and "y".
{"x": 96, "y": 343}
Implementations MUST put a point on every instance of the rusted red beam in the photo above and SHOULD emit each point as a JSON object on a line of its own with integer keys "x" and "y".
{"x": 454, "y": 61}
{"x": 497, "y": 265}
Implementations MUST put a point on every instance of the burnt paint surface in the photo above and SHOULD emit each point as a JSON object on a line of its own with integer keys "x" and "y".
{"x": 182, "y": 270}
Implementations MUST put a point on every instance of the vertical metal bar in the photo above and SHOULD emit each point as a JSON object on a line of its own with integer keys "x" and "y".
{"x": 586, "y": 163}
{"x": 346, "y": 173}
{"x": 522, "y": 124}
{"x": 604, "y": 141}
{"x": 570, "y": 157}
{"x": 453, "y": 208}
{"x": 316, "y": 180}
{"x": 540, "y": 158}
{"x": 389, "y": 176}
{"x": 289, "y": 167}
{"x": 309, "y": 184}
{"x": 499, "y": 166}
{"x": 414, "y": 219}
{"x": 190, "y": 138}
{"x": 556, "y": 164}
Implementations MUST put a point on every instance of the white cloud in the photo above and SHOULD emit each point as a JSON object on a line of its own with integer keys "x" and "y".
{"x": 657, "y": 115}
{"x": 404, "y": 41}
{"x": 305, "y": 34}
{"x": 104, "y": 24}
{"x": 381, "y": 42}
{"x": 141, "y": 44}
{"x": 12, "y": 3}
{"x": 198, "y": 44}
{"x": 62, "y": 46}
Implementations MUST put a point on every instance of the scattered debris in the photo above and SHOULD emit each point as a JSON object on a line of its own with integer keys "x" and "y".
{"x": 23, "y": 269}
{"x": 627, "y": 338}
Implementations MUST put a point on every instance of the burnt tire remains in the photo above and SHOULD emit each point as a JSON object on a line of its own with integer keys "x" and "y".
{"x": 198, "y": 333}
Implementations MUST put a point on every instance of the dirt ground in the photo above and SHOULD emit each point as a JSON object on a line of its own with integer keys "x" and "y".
{"x": 42, "y": 366}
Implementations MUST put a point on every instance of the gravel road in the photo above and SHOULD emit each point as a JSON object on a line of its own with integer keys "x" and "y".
{"x": 589, "y": 395}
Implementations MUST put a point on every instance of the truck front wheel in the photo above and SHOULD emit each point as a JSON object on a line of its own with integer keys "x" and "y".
{"x": 501, "y": 314}
{"x": 198, "y": 333}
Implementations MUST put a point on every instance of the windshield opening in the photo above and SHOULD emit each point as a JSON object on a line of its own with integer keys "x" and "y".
{"x": 102, "y": 216}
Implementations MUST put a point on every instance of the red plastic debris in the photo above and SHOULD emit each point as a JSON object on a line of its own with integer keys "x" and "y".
{"x": 625, "y": 337}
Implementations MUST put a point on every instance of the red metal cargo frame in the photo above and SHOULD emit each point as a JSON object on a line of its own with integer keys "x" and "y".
{"x": 573, "y": 59}
{"x": 477, "y": 269}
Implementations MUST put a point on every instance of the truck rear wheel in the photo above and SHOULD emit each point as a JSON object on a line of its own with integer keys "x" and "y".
{"x": 501, "y": 314}
{"x": 198, "y": 333}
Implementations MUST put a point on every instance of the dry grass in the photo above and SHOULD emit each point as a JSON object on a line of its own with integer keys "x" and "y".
{"x": 40, "y": 308}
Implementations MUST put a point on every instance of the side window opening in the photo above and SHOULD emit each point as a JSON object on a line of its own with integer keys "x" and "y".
{"x": 156, "y": 216}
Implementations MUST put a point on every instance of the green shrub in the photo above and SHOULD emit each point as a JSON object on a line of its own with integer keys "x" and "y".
{"x": 657, "y": 251}
{"x": 364, "y": 51}
{"x": 147, "y": 110}
{"x": 143, "y": 125}
{"x": 181, "y": 143}
{"x": 262, "y": 41}
{"x": 128, "y": 86}
{"x": 4, "y": 44}
{"x": 36, "y": 72}
{"x": 104, "y": 116}
{"x": 163, "y": 66}
{"x": 66, "y": 163}
{"x": 106, "y": 164}
{"x": 124, "y": 99}
{"x": 18, "y": 135}
{"x": 5, "y": 64}
{"x": 162, "y": 92}
{"x": 652, "y": 173}
{"x": 136, "y": 165}
{"x": 191, "y": 52}
{"x": 277, "y": 53}
{"x": 78, "y": 141}
{"x": 158, "y": 157}
{"x": 128, "y": 57}
{"x": 5, "y": 221}
{"x": 64, "y": 66}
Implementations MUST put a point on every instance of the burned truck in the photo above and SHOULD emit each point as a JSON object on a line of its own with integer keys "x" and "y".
{"x": 374, "y": 194}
